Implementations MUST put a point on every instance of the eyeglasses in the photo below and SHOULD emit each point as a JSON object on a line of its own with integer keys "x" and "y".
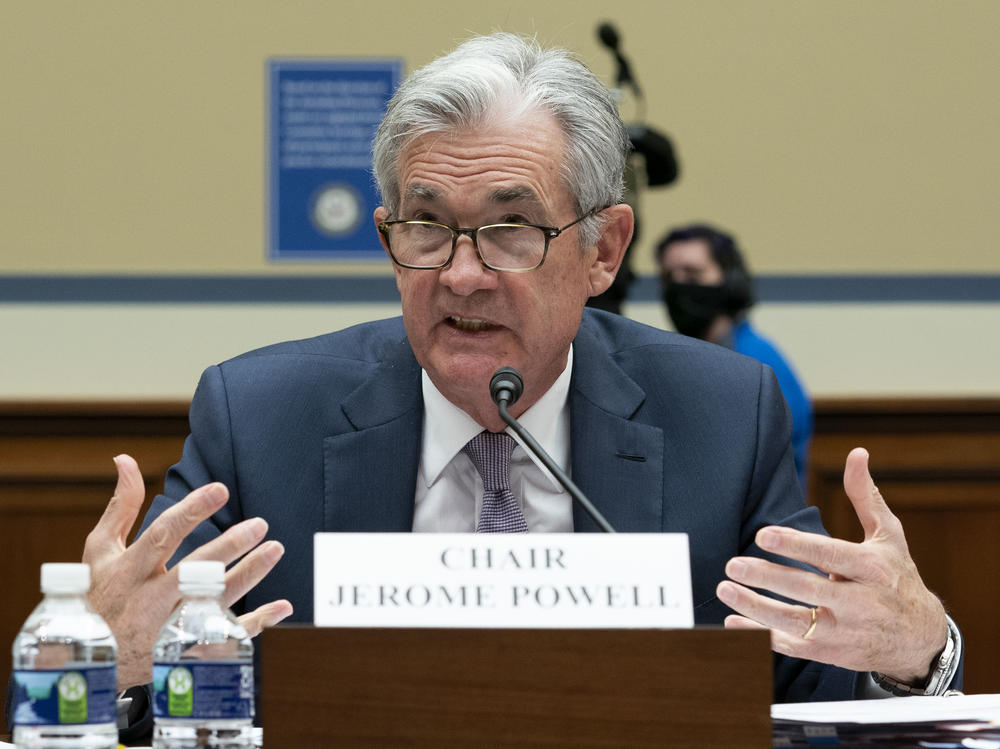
{"x": 513, "y": 248}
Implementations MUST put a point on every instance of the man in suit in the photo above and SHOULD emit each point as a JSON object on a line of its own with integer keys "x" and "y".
{"x": 500, "y": 169}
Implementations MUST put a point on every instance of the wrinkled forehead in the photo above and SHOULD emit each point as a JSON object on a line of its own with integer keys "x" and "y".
{"x": 518, "y": 157}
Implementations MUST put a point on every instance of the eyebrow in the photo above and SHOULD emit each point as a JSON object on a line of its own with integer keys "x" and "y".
{"x": 421, "y": 192}
{"x": 515, "y": 195}
{"x": 501, "y": 195}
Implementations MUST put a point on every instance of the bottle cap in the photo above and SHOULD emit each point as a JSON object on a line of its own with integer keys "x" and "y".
{"x": 201, "y": 573}
{"x": 65, "y": 578}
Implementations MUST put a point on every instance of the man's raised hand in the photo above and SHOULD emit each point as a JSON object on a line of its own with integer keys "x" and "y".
{"x": 131, "y": 586}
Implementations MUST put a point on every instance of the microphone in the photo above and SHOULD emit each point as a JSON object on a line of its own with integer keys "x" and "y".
{"x": 506, "y": 386}
{"x": 608, "y": 35}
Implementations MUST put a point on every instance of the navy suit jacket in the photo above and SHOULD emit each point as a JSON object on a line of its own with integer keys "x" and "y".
{"x": 667, "y": 434}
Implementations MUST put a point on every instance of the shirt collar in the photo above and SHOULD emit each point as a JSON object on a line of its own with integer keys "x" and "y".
{"x": 447, "y": 428}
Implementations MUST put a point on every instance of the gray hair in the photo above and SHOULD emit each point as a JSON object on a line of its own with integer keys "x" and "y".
{"x": 489, "y": 74}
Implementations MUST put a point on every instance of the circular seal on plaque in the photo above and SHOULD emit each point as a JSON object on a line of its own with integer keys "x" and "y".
{"x": 336, "y": 210}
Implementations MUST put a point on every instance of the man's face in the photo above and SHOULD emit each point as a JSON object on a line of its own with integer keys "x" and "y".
{"x": 690, "y": 261}
{"x": 464, "y": 321}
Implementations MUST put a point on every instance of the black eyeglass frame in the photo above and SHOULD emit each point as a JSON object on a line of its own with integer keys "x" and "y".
{"x": 549, "y": 232}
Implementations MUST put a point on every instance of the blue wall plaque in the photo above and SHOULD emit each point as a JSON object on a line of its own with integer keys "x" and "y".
{"x": 323, "y": 116}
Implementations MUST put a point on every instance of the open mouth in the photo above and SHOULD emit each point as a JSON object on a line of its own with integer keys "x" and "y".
{"x": 468, "y": 324}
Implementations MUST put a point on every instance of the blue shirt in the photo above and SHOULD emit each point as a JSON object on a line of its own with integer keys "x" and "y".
{"x": 749, "y": 342}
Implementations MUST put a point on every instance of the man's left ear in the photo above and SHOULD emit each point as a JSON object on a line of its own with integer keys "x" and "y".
{"x": 611, "y": 245}
{"x": 381, "y": 214}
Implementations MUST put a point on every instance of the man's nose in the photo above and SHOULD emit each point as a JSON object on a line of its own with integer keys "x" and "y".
{"x": 465, "y": 273}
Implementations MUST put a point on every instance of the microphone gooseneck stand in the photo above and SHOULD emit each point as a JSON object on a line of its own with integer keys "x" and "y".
{"x": 506, "y": 387}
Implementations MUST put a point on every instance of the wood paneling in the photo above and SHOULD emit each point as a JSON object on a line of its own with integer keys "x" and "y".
{"x": 937, "y": 462}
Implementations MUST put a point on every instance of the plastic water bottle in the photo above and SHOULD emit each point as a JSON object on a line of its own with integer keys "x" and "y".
{"x": 65, "y": 674}
{"x": 202, "y": 669}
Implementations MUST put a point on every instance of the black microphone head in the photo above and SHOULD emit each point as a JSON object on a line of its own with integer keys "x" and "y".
{"x": 608, "y": 35}
{"x": 507, "y": 385}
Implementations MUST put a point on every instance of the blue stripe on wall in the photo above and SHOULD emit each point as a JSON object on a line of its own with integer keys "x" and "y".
{"x": 820, "y": 289}
{"x": 197, "y": 289}
{"x": 833, "y": 289}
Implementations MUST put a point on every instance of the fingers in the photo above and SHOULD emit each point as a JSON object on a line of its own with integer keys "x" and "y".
{"x": 250, "y": 570}
{"x": 266, "y": 616}
{"x": 735, "y": 621}
{"x": 778, "y": 638}
{"x": 157, "y": 544}
{"x": 797, "y": 631}
{"x": 762, "y": 611}
{"x": 871, "y": 509}
{"x": 242, "y": 539}
{"x": 831, "y": 555}
{"x": 234, "y": 543}
{"x": 122, "y": 509}
{"x": 790, "y": 582}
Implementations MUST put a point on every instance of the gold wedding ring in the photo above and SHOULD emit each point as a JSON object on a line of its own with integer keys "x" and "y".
{"x": 812, "y": 624}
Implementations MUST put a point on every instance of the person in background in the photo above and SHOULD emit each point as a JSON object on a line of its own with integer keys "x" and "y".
{"x": 708, "y": 292}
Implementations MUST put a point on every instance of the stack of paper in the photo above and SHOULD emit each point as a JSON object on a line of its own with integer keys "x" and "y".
{"x": 968, "y": 721}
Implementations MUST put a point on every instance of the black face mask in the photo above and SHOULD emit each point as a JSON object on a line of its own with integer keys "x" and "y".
{"x": 694, "y": 307}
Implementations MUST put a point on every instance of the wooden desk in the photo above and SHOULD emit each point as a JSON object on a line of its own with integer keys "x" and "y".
{"x": 515, "y": 688}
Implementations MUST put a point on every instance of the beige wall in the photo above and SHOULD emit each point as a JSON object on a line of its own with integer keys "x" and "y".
{"x": 850, "y": 136}
{"x": 857, "y": 136}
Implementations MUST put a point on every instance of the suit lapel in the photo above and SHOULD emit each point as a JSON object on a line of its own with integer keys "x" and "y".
{"x": 370, "y": 473}
{"x": 616, "y": 462}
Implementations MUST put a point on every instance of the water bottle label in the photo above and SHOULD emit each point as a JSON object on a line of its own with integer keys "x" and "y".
{"x": 202, "y": 690}
{"x": 53, "y": 697}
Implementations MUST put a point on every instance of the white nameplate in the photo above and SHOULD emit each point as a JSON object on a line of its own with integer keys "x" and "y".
{"x": 530, "y": 580}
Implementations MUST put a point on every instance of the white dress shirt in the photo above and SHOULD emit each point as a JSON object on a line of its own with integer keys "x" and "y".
{"x": 449, "y": 490}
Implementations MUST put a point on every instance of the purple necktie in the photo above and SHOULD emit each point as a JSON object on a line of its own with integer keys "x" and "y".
{"x": 490, "y": 454}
